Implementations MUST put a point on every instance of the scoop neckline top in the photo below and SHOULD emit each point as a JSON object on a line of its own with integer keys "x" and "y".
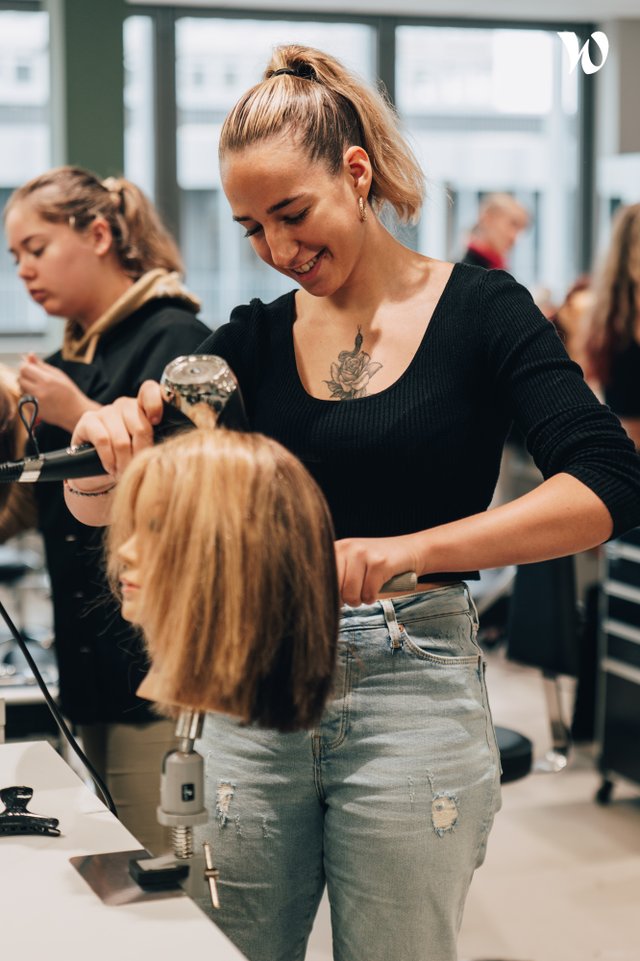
{"x": 369, "y": 398}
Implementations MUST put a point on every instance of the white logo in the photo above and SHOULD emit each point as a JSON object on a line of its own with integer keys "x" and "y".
{"x": 571, "y": 43}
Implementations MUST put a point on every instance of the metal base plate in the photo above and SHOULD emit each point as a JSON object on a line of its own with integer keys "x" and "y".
{"x": 108, "y": 876}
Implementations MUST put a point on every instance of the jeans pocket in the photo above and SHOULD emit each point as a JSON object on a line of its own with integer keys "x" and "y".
{"x": 446, "y": 639}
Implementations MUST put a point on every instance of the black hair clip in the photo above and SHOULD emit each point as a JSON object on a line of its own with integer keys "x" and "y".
{"x": 29, "y": 424}
{"x": 302, "y": 69}
{"x": 15, "y": 819}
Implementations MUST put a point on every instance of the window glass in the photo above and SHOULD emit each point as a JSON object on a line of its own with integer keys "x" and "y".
{"x": 210, "y": 76}
{"x": 138, "y": 103}
{"x": 24, "y": 136}
{"x": 494, "y": 110}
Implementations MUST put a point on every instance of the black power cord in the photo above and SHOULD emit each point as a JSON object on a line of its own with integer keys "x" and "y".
{"x": 29, "y": 424}
{"x": 53, "y": 707}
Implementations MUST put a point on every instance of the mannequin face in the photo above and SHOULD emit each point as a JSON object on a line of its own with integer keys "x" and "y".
{"x": 61, "y": 268}
{"x": 147, "y": 514}
{"x": 301, "y": 219}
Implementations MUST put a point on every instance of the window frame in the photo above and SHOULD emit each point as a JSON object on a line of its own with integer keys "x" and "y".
{"x": 164, "y": 18}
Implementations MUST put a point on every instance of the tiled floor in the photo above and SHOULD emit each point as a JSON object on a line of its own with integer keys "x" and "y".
{"x": 561, "y": 881}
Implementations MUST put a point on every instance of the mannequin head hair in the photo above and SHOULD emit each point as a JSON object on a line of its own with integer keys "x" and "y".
{"x": 238, "y": 599}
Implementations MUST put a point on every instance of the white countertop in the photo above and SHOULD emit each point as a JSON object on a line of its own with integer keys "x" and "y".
{"x": 48, "y": 911}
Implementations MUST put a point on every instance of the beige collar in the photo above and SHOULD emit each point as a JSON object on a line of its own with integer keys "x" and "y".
{"x": 80, "y": 345}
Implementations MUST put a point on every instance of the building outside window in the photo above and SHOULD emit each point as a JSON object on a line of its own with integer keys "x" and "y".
{"x": 24, "y": 143}
{"x": 485, "y": 109}
{"x": 492, "y": 110}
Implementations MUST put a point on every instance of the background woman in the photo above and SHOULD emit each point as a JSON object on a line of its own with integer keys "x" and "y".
{"x": 613, "y": 345}
{"x": 96, "y": 254}
{"x": 266, "y": 657}
{"x": 394, "y": 377}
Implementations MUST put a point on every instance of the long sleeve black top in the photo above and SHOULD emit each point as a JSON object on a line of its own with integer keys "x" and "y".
{"x": 427, "y": 449}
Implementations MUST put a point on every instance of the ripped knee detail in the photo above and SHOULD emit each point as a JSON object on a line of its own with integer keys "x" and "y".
{"x": 444, "y": 813}
{"x": 224, "y": 797}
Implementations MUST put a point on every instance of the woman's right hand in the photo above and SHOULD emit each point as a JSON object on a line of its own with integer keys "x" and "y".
{"x": 119, "y": 430}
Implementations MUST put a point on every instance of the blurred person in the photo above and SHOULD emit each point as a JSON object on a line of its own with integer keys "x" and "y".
{"x": 501, "y": 219}
{"x": 570, "y": 318}
{"x": 613, "y": 340}
{"x": 96, "y": 254}
{"x": 544, "y": 300}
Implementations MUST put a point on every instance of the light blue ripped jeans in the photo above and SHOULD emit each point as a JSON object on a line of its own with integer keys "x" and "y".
{"x": 389, "y": 802}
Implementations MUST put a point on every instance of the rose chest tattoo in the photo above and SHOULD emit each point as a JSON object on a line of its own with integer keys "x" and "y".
{"x": 350, "y": 376}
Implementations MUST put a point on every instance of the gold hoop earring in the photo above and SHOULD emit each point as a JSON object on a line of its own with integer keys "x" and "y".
{"x": 362, "y": 210}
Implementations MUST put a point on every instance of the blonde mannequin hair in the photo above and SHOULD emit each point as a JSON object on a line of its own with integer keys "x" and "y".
{"x": 240, "y": 604}
{"x": 74, "y": 196}
{"x": 310, "y": 96}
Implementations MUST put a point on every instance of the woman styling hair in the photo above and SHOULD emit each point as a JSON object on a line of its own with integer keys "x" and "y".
{"x": 95, "y": 253}
{"x": 394, "y": 377}
{"x": 613, "y": 342}
{"x": 266, "y": 657}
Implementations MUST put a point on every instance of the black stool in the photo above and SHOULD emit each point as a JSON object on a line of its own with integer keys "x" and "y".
{"x": 516, "y": 754}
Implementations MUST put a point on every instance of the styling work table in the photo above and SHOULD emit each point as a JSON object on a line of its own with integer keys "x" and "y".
{"x": 48, "y": 910}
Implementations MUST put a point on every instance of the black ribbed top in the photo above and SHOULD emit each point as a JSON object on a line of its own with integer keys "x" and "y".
{"x": 427, "y": 449}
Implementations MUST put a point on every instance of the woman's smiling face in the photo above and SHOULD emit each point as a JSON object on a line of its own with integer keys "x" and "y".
{"x": 300, "y": 218}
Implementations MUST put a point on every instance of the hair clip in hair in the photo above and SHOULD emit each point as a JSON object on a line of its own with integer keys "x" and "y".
{"x": 114, "y": 188}
{"x": 303, "y": 70}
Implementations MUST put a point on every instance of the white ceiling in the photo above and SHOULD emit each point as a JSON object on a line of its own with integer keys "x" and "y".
{"x": 542, "y": 10}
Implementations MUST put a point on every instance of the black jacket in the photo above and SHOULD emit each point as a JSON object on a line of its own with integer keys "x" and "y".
{"x": 100, "y": 656}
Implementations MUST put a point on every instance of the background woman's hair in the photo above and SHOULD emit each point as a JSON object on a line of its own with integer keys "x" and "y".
{"x": 240, "y": 604}
{"x": 327, "y": 109}
{"x": 74, "y": 196}
{"x": 615, "y": 315}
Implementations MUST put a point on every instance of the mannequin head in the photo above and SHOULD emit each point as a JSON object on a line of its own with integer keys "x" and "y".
{"x": 222, "y": 552}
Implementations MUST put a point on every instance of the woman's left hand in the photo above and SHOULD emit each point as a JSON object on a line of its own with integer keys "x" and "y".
{"x": 366, "y": 563}
{"x": 60, "y": 402}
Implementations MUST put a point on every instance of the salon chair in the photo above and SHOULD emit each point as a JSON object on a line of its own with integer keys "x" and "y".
{"x": 516, "y": 754}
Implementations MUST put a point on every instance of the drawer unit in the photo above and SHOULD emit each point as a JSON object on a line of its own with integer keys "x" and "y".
{"x": 619, "y": 663}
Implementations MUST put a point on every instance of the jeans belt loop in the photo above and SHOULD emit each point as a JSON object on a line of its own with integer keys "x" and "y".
{"x": 395, "y": 631}
{"x": 473, "y": 610}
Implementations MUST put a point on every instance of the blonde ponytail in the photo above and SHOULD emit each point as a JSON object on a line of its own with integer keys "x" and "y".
{"x": 328, "y": 109}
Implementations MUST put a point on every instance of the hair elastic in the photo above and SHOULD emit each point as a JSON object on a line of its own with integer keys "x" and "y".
{"x": 303, "y": 70}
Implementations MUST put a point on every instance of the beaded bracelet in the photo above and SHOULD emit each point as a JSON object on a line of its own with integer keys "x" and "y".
{"x": 79, "y": 493}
